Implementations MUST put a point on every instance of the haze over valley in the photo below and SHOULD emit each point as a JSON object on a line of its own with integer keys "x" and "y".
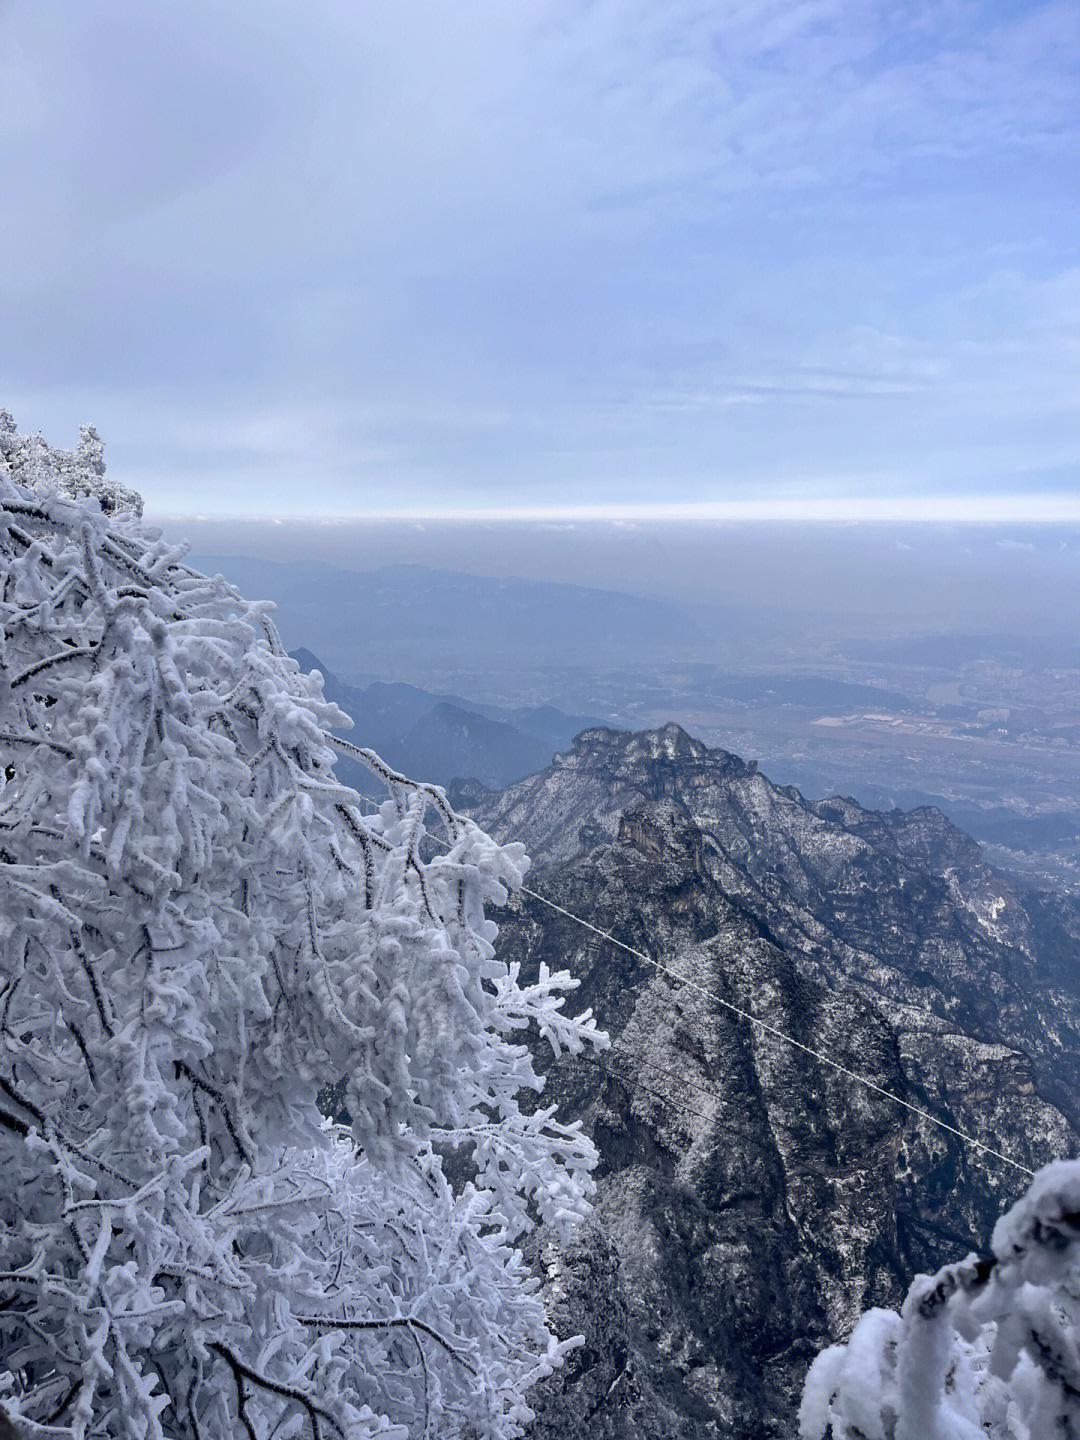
{"x": 901, "y": 665}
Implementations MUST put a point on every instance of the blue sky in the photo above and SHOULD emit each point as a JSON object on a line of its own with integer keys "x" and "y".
{"x": 610, "y": 257}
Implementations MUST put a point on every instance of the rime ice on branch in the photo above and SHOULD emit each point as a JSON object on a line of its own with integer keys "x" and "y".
{"x": 199, "y": 928}
{"x": 986, "y": 1349}
{"x": 35, "y": 464}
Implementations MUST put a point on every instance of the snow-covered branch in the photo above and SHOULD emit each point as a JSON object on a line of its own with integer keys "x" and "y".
{"x": 202, "y": 928}
{"x": 986, "y": 1349}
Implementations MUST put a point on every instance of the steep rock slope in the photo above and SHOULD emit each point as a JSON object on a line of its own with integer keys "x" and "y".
{"x": 754, "y": 1200}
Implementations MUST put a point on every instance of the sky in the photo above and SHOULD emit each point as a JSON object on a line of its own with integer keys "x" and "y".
{"x": 621, "y": 258}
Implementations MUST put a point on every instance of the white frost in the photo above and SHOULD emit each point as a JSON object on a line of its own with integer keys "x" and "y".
{"x": 200, "y": 927}
{"x": 983, "y": 1350}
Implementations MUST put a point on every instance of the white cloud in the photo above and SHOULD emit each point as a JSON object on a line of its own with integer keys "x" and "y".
{"x": 394, "y": 252}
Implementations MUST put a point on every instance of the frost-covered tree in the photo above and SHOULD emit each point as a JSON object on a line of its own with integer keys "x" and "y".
{"x": 201, "y": 927}
{"x": 986, "y": 1349}
{"x": 31, "y": 462}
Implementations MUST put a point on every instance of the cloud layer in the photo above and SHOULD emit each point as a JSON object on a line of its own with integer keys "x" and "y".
{"x": 415, "y": 256}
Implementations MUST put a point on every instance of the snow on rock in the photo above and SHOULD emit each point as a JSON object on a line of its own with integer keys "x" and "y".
{"x": 753, "y": 1203}
{"x": 200, "y": 928}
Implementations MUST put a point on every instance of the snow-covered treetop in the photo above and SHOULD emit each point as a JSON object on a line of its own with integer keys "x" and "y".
{"x": 32, "y": 462}
{"x": 986, "y": 1349}
{"x": 200, "y": 928}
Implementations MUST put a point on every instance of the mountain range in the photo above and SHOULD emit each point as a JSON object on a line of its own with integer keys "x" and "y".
{"x": 754, "y": 1199}
{"x": 400, "y": 620}
{"x": 443, "y": 737}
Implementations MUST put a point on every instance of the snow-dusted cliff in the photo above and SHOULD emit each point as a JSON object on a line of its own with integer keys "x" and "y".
{"x": 753, "y": 1201}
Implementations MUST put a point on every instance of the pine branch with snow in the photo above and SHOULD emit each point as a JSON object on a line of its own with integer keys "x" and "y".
{"x": 986, "y": 1349}
{"x": 202, "y": 927}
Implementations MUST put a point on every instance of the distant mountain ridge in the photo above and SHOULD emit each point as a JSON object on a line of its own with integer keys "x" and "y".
{"x": 753, "y": 1201}
{"x": 443, "y": 737}
{"x": 401, "y": 618}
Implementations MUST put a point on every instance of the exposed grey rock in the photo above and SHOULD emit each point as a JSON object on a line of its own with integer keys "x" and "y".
{"x": 753, "y": 1201}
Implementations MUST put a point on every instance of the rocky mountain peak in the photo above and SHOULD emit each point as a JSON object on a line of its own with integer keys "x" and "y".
{"x": 753, "y": 1201}
{"x": 643, "y": 754}
{"x": 581, "y": 796}
{"x": 924, "y": 834}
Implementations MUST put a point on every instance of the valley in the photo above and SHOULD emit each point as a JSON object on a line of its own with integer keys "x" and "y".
{"x": 981, "y": 722}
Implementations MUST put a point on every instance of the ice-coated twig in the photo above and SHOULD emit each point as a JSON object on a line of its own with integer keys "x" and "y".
{"x": 201, "y": 930}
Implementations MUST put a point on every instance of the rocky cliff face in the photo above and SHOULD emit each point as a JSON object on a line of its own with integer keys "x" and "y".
{"x": 753, "y": 1201}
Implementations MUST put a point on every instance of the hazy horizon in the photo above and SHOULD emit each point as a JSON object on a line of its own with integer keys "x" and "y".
{"x": 970, "y": 577}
